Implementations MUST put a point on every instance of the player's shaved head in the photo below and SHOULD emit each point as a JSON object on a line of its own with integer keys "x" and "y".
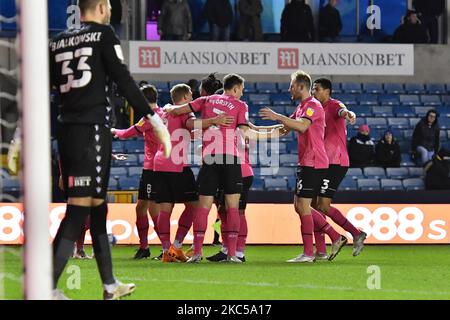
{"x": 90, "y": 5}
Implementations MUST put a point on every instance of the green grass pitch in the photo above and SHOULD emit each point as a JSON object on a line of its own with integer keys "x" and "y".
{"x": 380, "y": 272}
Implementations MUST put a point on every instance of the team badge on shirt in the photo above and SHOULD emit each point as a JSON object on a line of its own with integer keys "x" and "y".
{"x": 309, "y": 112}
{"x": 141, "y": 122}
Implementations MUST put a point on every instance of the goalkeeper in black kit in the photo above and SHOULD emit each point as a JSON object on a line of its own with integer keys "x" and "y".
{"x": 83, "y": 62}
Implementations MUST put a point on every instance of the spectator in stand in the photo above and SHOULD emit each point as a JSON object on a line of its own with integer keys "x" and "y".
{"x": 429, "y": 12}
{"x": 387, "y": 151}
{"x": 250, "y": 28}
{"x": 411, "y": 30}
{"x": 361, "y": 148}
{"x": 437, "y": 171}
{"x": 175, "y": 20}
{"x": 297, "y": 24}
{"x": 153, "y": 9}
{"x": 220, "y": 16}
{"x": 425, "y": 139}
{"x": 330, "y": 24}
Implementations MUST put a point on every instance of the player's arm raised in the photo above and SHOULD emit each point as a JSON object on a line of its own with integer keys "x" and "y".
{"x": 300, "y": 125}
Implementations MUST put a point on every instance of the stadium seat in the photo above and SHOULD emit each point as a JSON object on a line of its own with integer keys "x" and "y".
{"x": 446, "y": 99}
{"x": 280, "y": 99}
{"x": 118, "y": 147}
{"x": 266, "y": 87}
{"x": 266, "y": 172}
{"x": 368, "y": 99}
{"x": 430, "y": 100}
{"x": 397, "y": 173}
{"x": 175, "y": 82}
{"x": 399, "y": 123}
{"x": 260, "y": 99}
{"x": 288, "y": 160}
{"x": 285, "y": 172}
{"x": 113, "y": 184}
{"x": 118, "y": 172}
{"x": 348, "y": 184}
{"x": 283, "y": 87}
{"x": 134, "y": 171}
{"x": 292, "y": 182}
{"x": 415, "y": 172}
{"x": 435, "y": 88}
{"x": 444, "y": 111}
{"x": 289, "y": 137}
{"x": 405, "y": 146}
{"x": 141, "y": 158}
{"x": 404, "y": 111}
{"x": 279, "y": 109}
{"x": 389, "y": 99}
{"x": 385, "y": 111}
{"x": 257, "y": 185}
{"x": 394, "y": 88}
{"x": 406, "y": 160}
{"x": 250, "y": 87}
{"x": 355, "y": 173}
{"x": 359, "y": 121}
{"x": 409, "y": 99}
{"x": 413, "y": 122}
{"x": 362, "y": 111}
{"x": 161, "y": 86}
{"x": 415, "y": 88}
{"x": 292, "y": 147}
{"x": 11, "y": 185}
{"x": 164, "y": 98}
{"x": 407, "y": 134}
{"x": 134, "y": 146}
{"x": 444, "y": 122}
{"x": 391, "y": 184}
{"x": 368, "y": 184}
{"x": 351, "y": 87}
{"x": 448, "y": 135}
{"x": 277, "y": 147}
{"x": 130, "y": 183}
{"x": 275, "y": 184}
{"x": 348, "y": 99}
{"x": 374, "y": 172}
{"x": 422, "y": 111}
{"x": 376, "y": 123}
{"x": 413, "y": 184}
{"x": 373, "y": 88}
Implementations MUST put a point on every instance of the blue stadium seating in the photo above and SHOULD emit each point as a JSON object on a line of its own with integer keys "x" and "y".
{"x": 279, "y": 109}
{"x": 289, "y": 160}
{"x": 285, "y": 172}
{"x": 389, "y": 99}
{"x": 250, "y": 87}
{"x": 375, "y": 88}
{"x": 430, "y": 100}
{"x": 397, "y": 173}
{"x": 394, "y": 88}
{"x": 404, "y": 111}
{"x": 368, "y": 99}
{"x": 376, "y": 123}
{"x": 444, "y": 123}
{"x": 113, "y": 184}
{"x": 363, "y": 111}
{"x": 351, "y": 87}
{"x": 415, "y": 172}
{"x": 407, "y": 134}
{"x": 11, "y": 185}
{"x": 258, "y": 185}
{"x": 129, "y": 183}
{"x": 391, "y": 184}
{"x": 374, "y": 172}
{"x": 346, "y": 98}
{"x": 283, "y": 87}
{"x": 415, "y": 88}
{"x": 413, "y": 184}
{"x": 444, "y": 111}
{"x": 368, "y": 184}
{"x": 134, "y": 171}
{"x": 131, "y": 161}
{"x": 348, "y": 184}
{"x": 275, "y": 184}
{"x": 292, "y": 182}
{"x": 406, "y": 160}
{"x": 405, "y": 146}
{"x": 161, "y": 86}
{"x": 134, "y": 146}
{"x": 385, "y": 111}
{"x": 266, "y": 87}
{"x": 421, "y": 111}
{"x": 118, "y": 146}
{"x": 117, "y": 172}
{"x": 355, "y": 173}
{"x": 435, "y": 88}
{"x": 413, "y": 122}
{"x": 399, "y": 123}
{"x": 141, "y": 159}
{"x": 289, "y": 137}
{"x": 260, "y": 99}
{"x": 409, "y": 99}
{"x": 281, "y": 99}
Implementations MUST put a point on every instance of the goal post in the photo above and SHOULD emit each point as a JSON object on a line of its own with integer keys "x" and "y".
{"x": 34, "y": 104}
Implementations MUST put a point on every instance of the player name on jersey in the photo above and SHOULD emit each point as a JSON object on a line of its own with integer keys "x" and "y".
{"x": 76, "y": 40}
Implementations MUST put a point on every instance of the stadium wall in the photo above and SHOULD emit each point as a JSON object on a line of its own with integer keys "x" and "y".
{"x": 267, "y": 223}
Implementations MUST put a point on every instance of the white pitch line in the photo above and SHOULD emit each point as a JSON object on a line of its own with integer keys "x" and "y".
{"x": 293, "y": 286}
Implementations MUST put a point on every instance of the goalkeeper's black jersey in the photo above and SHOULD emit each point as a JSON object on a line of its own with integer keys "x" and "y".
{"x": 82, "y": 63}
